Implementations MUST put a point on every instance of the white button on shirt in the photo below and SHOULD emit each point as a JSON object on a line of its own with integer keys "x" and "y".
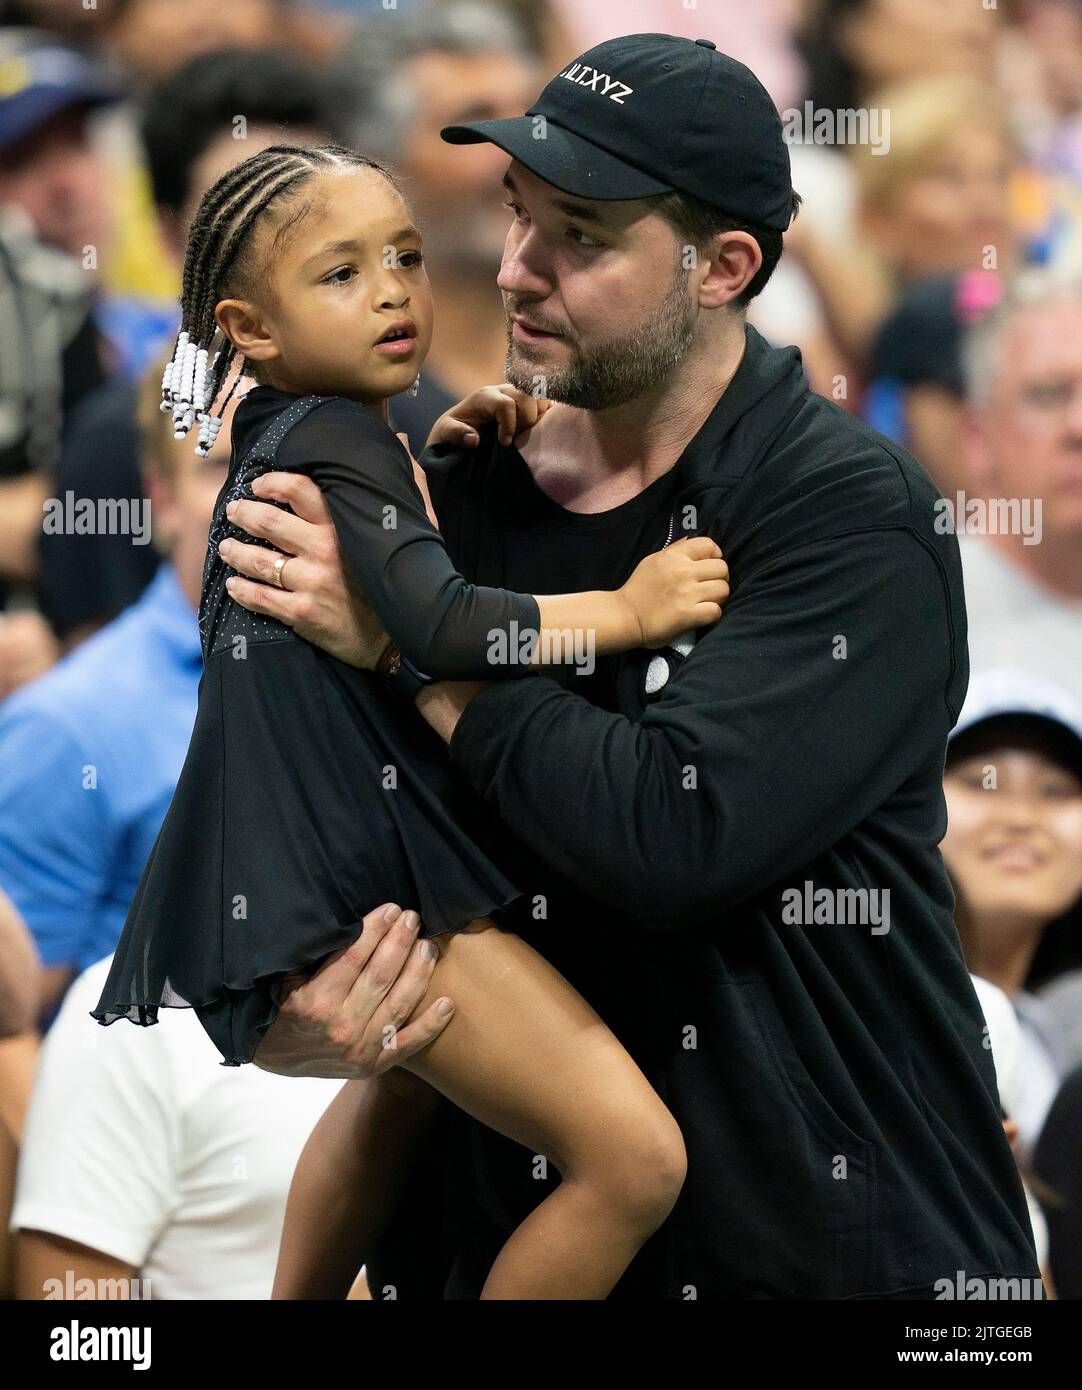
{"x": 141, "y": 1145}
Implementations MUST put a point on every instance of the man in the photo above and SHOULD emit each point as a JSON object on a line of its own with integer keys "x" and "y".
{"x": 90, "y": 753}
{"x": 147, "y": 1167}
{"x": 52, "y": 208}
{"x": 405, "y": 79}
{"x": 1022, "y": 530}
{"x": 916, "y": 395}
{"x": 731, "y": 849}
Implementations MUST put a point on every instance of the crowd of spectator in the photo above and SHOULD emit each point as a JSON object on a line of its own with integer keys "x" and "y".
{"x": 933, "y": 282}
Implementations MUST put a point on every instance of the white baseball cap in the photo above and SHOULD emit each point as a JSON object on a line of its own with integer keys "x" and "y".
{"x": 1012, "y": 692}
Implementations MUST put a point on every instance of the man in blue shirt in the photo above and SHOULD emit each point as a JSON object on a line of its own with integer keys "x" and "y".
{"x": 90, "y": 753}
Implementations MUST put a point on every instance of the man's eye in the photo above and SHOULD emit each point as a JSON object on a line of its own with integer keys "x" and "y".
{"x": 346, "y": 270}
{"x": 582, "y": 238}
{"x": 1048, "y": 393}
{"x": 516, "y": 208}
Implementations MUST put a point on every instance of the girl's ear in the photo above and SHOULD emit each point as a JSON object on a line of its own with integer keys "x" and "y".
{"x": 246, "y": 330}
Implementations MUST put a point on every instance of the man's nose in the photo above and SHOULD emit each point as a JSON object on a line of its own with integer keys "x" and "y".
{"x": 524, "y": 269}
{"x": 1073, "y": 419}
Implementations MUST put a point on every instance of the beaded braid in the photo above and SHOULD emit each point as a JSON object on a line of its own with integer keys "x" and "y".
{"x": 229, "y": 210}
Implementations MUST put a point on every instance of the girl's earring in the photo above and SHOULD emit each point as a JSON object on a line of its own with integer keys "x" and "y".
{"x": 415, "y": 387}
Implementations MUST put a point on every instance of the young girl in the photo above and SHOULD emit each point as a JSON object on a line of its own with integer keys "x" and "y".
{"x": 309, "y": 793}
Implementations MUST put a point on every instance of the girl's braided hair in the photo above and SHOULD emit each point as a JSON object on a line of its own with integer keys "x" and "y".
{"x": 218, "y": 245}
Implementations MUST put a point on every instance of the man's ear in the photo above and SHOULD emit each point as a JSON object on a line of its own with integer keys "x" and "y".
{"x": 731, "y": 262}
{"x": 246, "y": 329}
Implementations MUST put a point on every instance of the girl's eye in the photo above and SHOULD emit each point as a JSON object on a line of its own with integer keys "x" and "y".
{"x": 346, "y": 270}
{"x": 409, "y": 260}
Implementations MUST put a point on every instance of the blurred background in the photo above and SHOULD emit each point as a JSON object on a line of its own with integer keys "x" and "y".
{"x": 933, "y": 282}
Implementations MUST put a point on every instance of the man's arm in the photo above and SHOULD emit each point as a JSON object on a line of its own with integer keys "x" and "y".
{"x": 789, "y": 723}
{"x": 802, "y": 711}
{"x": 55, "y": 847}
{"x": 20, "y": 975}
{"x": 443, "y": 704}
{"x": 43, "y": 1262}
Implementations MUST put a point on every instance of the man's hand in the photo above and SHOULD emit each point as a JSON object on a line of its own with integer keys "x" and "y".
{"x": 516, "y": 411}
{"x": 353, "y": 1018}
{"x": 317, "y": 601}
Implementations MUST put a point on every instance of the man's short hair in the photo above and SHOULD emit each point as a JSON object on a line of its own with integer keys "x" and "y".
{"x": 370, "y": 71}
{"x": 982, "y": 345}
{"x": 698, "y": 223}
{"x": 193, "y": 106}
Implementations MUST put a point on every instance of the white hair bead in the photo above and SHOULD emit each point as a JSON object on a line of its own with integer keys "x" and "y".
{"x": 187, "y": 372}
{"x": 167, "y": 376}
{"x": 199, "y": 384}
{"x": 208, "y": 433}
{"x": 177, "y": 363}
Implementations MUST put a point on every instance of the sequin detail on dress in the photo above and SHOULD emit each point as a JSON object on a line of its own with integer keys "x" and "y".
{"x": 222, "y": 629}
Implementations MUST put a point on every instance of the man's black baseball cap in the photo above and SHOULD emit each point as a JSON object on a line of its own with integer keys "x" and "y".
{"x": 648, "y": 114}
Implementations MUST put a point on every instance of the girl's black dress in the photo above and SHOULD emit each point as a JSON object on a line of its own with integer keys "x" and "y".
{"x": 310, "y": 794}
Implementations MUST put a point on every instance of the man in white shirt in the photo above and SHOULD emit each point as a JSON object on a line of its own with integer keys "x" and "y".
{"x": 145, "y": 1159}
{"x": 1005, "y": 1041}
{"x": 1021, "y": 532}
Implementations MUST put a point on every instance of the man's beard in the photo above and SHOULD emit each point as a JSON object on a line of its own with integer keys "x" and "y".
{"x": 620, "y": 370}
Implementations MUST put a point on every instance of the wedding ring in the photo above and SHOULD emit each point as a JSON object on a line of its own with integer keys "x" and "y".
{"x": 279, "y": 566}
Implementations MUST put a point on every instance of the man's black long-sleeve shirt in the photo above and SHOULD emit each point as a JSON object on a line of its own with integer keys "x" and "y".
{"x": 740, "y": 870}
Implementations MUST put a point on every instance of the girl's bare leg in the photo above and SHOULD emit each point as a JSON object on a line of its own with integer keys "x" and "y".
{"x": 348, "y": 1182}
{"x": 527, "y": 1056}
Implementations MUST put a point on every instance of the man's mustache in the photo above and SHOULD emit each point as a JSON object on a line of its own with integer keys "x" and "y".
{"x": 534, "y": 319}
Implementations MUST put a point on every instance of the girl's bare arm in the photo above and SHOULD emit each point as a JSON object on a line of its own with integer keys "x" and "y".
{"x": 670, "y": 591}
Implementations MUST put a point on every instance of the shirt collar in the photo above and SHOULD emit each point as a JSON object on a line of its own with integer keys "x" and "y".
{"x": 767, "y": 388}
{"x": 172, "y": 616}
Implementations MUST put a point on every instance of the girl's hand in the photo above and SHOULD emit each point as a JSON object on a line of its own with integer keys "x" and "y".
{"x": 680, "y": 587}
{"x": 514, "y": 409}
